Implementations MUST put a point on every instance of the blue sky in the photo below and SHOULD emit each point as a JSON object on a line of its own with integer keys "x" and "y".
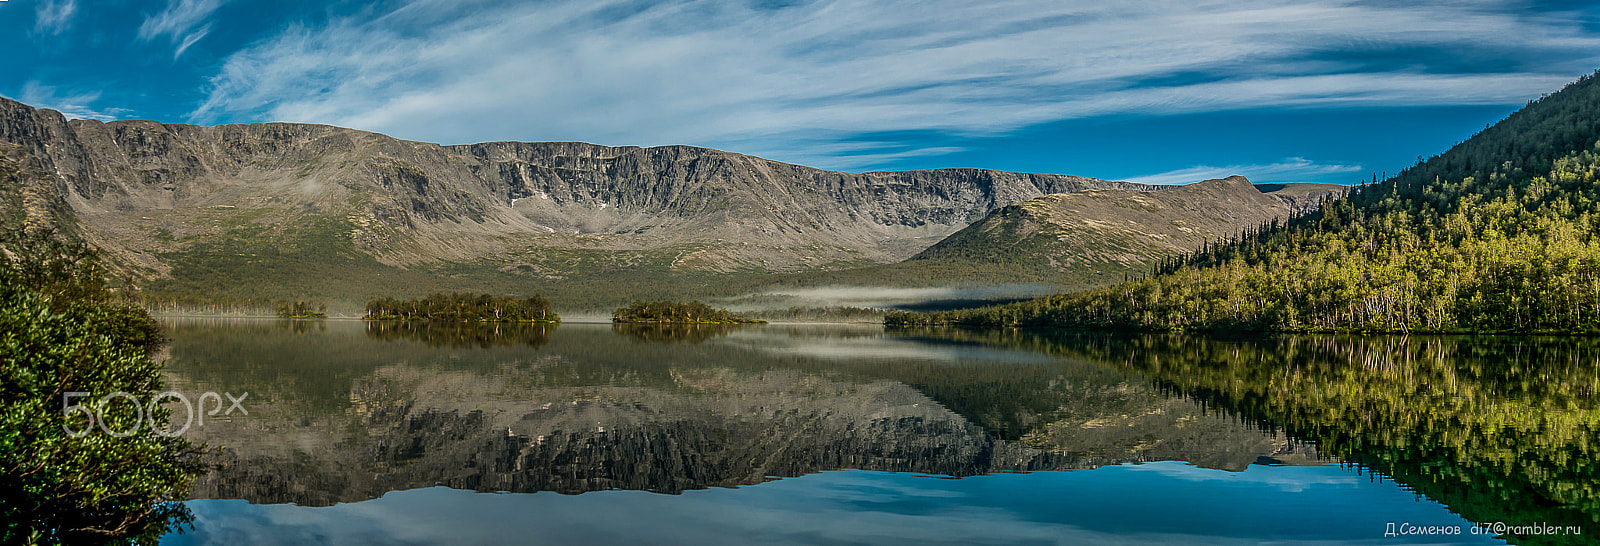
{"x": 1165, "y": 92}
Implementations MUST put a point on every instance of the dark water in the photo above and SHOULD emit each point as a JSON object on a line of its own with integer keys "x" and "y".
{"x": 586, "y": 433}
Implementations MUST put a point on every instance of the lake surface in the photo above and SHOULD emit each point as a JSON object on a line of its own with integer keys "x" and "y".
{"x": 825, "y": 434}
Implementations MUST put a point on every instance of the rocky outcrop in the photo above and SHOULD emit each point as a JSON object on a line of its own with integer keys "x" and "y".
{"x": 30, "y": 197}
{"x": 1302, "y": 198}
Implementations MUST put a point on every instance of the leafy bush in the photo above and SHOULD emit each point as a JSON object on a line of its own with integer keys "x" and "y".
{"x": 58, "y": 335}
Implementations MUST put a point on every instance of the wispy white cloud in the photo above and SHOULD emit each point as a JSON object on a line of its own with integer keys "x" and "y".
{"x": 1294, "y": 169}
{"x": 55, "y": 16}
{"x": 774, "y": 81}
{"x": 184, "y": 22}
{"x": 71, "y": 105}
{"x": 870, "y": 156}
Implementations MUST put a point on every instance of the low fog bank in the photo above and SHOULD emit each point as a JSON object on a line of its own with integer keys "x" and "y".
{"x": 883, "y": 298}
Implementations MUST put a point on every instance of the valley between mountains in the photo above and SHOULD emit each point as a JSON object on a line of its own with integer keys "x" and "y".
{"x": 238, "y": 215}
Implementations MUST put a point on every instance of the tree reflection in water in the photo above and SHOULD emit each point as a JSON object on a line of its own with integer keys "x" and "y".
{"x": 1498, "y": 428}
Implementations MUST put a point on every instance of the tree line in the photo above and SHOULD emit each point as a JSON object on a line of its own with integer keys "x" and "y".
{"x": 693, "y": 312}
{"x": 301, "y": 309}
{"x": 463, "y": 307}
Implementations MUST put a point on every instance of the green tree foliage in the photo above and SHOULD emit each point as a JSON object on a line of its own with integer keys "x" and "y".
{"x": 462, "y": 307}
{"x": 1496, "y": 235}
{"x": 678, "y": 312}
{"x": 58, "y": 335}
{"x": 301, "y": 309}
{"x": 63, "y": 271}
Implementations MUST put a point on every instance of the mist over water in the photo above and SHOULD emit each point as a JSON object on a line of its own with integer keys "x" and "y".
{"x": 885, "y": 297}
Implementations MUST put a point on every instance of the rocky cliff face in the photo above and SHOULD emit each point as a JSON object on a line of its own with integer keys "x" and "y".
{"x": 1302, "y": 198}
{"x": 145, "y": 191}
{"x": 30, "y": 197}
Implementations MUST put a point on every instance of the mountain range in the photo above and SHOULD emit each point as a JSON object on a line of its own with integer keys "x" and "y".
{"x": 282, "y": 210}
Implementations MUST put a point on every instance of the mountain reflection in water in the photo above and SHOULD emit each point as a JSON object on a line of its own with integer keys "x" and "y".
{"x": 350, "y": 411}
{"x": 1497, "y": 429}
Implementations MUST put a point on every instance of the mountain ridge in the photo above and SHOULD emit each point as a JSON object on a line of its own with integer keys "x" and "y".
{"x": 627, "y": 198}
{"x": 269, "y": 211}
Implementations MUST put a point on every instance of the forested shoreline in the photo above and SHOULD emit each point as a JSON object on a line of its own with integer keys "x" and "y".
{"x": 1497, "y": 235}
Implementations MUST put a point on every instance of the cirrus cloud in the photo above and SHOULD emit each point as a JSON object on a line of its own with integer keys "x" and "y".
{"x": 183, "y": 21}
{"x": 55, "y": 16}
{"x": 777, "y": 81}
{"x": 1294, "y": 169}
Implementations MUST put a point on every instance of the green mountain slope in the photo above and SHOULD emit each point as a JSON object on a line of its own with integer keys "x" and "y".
{"x": 1495, "y": 235}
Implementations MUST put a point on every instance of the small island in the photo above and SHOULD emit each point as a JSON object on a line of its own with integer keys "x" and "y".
{"x": 463, "y": 308}
{"x": 675, "y": 312}
{"x": 302, "y": 310}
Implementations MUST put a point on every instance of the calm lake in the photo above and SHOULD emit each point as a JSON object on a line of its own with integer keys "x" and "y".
{"x": 826, "y": 434}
